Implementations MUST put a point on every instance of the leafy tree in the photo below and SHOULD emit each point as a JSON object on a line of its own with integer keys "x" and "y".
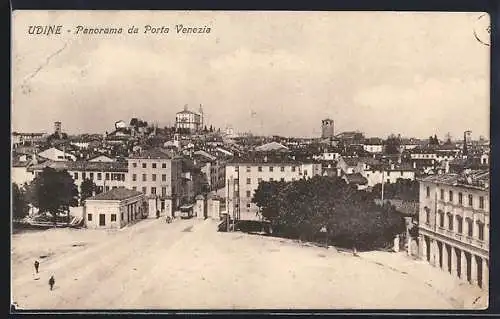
{"x": 19, "y": 204}
{"x": 265, "y": 198}
{"x": 134, "y": 122}
{"x": 433, "y": 140}
{"x": 300, "y": 209}
{"x": 53, "y": 191}
{"x": 392, "y": 144}
{"x": 403, "y": 189}
{"x": 87, "y": 190}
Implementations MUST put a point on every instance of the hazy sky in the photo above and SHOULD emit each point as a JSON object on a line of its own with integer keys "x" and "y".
{"x": 266, "y": 72}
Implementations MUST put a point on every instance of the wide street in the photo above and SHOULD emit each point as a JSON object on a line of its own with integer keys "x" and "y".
{"x": 189, "y": 265}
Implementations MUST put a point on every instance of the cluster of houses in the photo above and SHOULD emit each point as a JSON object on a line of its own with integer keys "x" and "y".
{"x": 140, "y": 170}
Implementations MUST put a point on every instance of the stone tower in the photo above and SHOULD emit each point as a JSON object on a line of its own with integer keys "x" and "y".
{"x": 327, "y": 128}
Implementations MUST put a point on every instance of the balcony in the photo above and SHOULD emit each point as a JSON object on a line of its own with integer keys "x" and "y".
{"x": 469, "y": 240}
{"x": 479, "y": 243}
{"x": 458, "y": 237}
{"x": 441, "y": 230}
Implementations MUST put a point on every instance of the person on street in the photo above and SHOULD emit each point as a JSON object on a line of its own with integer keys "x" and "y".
{"x": 157, "y": 214}
{"x": 37, "y": 264}
{"x": 52, "y": 282}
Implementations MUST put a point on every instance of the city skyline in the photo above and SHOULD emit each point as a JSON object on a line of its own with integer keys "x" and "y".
{"x": 267, "y": 73}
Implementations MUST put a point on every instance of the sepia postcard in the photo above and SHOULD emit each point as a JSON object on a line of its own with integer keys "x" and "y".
{"x": 242, "y": 160}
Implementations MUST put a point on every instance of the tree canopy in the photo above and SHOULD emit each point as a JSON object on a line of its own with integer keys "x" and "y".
{"x": 300, "y": 209}
{"x": 53, "y": 191}
{"x": 19, "y": 204}
{"x": 433, "y": 140}
{"x": 88, "y": 188}
{"x": 392, "y": 144}
{"x": 403, "y": 189}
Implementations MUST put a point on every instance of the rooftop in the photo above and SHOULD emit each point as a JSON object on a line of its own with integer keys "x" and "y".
{"x": 83, "y": 166}
{"x": 356, "y": 178}
{"x": 155, "y": 153}
{"x": 479, "y": 179}
{"x": 267, "y": 160}
{"x": 119, "y": 193}
{"x": 373, "y": 141}
{"x": 186, "y": 112}
{"x": 273, "y": 146}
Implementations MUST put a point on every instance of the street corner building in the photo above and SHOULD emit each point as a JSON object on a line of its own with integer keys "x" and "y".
{"x": 454, "y": 224}
{"x": 114, "y": 209}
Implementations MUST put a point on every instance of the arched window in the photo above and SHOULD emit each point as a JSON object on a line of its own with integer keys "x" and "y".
{"x": 450, "y": 221}
{"x": 480, "y": 230}
{"x": 427, "y": 215}
{"x": 459, "y": 224}
{"x": 469, "y": 226}
{"x": 441, "y": 218}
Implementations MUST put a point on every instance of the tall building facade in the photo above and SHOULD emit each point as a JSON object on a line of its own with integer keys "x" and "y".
{"x": 243, "y": 178}
{"x": 454, "y": 224}
{"x": 327, "y": 128}
{"x": 157, "y": 175}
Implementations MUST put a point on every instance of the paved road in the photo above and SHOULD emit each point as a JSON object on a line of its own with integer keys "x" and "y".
{"x": 101, "y": 275}
{"x": 188, "y": 265}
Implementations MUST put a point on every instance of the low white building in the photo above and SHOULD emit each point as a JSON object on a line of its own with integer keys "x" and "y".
{"x": 114, "y": 209}
{"x": 387, "y": 174}
{"x": 328, "y": 156}
{"x": 81, "y": 144}
{"x": 373, "y": 145}
{"x": 19, "y": 172}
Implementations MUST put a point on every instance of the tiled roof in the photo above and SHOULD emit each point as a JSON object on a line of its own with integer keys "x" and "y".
{"x": 186, "y": 112}
{"x": 83, "y": 166}
{"x": 261, "y": 161}
{"x": 351, "y": 161}
{"x": 369, "y": 160}
{"x": 119, "y": 193}
{"x": 373, "y": 141}
{"x": 475, "y": 179}
{"x": 356, "y": 178}
{"x": 17, "y": 163}
{"x": 27, "y": 134}
{"x": 205, "y": 154}
{"x": 155, "y": 153}
{"x": 273, "y": 146}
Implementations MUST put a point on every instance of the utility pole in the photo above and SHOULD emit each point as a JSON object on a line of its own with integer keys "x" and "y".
{"x": 382, "y": 195}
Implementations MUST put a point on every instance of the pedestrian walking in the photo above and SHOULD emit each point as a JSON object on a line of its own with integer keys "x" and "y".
{"x": 52, "y": 282}
{"x": 37, "y": 264}
{"x": 157, "y": 214}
